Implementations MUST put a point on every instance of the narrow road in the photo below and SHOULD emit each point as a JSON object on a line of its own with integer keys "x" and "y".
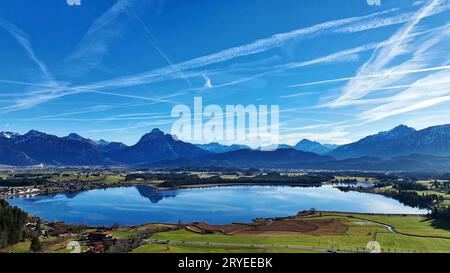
{"x": 160, "y": 242}
{"x": 393, "y": 230}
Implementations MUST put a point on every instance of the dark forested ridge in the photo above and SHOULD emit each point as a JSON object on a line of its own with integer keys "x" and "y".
{"x": 12, "y": 222}
{"x": 183, "y": 179}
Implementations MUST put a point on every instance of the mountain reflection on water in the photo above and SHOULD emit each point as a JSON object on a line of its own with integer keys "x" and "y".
{"x": 150, "y": 193}
{"x": 155, "y": 195}
{"x": 215, "y": 205}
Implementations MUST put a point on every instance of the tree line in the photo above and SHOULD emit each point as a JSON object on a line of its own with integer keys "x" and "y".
{"x": 413, "y": 199}
{"x": 183, "y": 179}
{"x": 23, "y": 182}
{"x": 440, "y": 212}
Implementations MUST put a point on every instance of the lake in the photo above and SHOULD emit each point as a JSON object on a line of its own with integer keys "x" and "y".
{"x": 218, "y": 205}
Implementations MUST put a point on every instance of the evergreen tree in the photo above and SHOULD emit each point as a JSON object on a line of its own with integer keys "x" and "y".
{"x": 35, "y": 245}
{"x": 12, "y": 224}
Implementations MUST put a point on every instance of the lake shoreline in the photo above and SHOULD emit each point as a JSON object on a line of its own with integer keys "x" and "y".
{"x": 217, "y": 204}
{"x": 255, "y": 220}
{"x": 63, "y": 189}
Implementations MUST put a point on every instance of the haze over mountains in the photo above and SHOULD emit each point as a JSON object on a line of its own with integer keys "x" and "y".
{"x": 219, "y": 148}
{"x": 402, "y": 148}
{"x": 307, "y": 145}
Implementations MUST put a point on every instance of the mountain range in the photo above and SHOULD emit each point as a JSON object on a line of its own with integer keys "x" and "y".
{"x": 156, "y": 146}
{"x": 400, "y": 141}
{"x": 39, "y": 148}
{"x": 402, "y": 148}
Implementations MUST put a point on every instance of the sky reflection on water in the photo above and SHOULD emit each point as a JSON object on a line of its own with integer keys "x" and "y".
{"x": 218, "y": 205}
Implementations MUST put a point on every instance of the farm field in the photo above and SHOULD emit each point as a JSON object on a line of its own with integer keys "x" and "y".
{"x": 153, "y": 248}
{"x": 361, "y": 229}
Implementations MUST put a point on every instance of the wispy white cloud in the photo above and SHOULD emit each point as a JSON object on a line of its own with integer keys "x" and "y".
{"x": 381, "y": 112}
{"x": 208, "y": 83}
{"x": 420, "y": 92}
{"x": 335, "y": 135}
{"x": 153, "y": 99}
{"x": 278, "y": 40}
{"x": 300, "y": 94}
{"x": 100, "y": 108}
{"x": 94, "y": 45}
{"x": 374, "y": 76}
{"x": 360, "y": 86}
{"x": 135, "y": 126}
{"x": 338, "y": 56}
{"x": 258, "y": 46}
{"x": 24, "y": 41}
{"x": 417, "y": 81}
{"x": 52, "y": 86}
{"x": 414, "y": 98}
{"x": 152, "y": 41}
{"x": 99, "y": 34}
{"x": 31, "y": 84}
{"x": 93, "y": 109}
{"x": 393, "y": 20}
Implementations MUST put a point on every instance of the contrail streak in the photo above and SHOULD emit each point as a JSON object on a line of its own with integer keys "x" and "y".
{"x": 437, "y": 68}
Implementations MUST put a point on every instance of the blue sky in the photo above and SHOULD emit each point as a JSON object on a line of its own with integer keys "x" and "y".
{"x": 339, "y": 70}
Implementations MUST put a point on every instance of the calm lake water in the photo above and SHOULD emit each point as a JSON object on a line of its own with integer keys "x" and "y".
{"x": 219, "y": 205}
